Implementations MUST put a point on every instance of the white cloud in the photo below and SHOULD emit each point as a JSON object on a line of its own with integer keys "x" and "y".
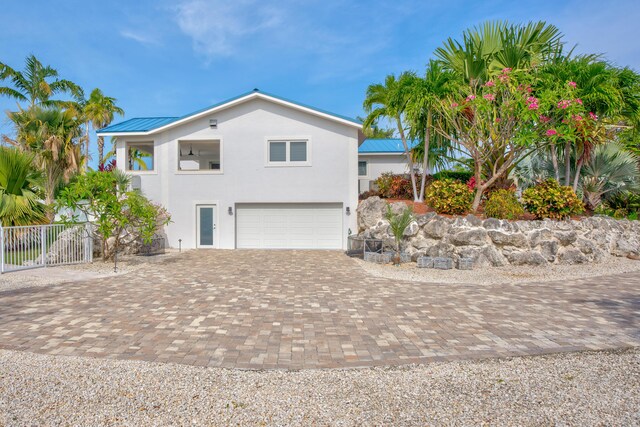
{"x": 139, "y": 37}
{"x": 218, "y": 26}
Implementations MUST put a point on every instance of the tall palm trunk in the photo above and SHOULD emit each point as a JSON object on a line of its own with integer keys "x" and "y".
{"x": 100, "y": 150}
{"x": 554, "y": 161}
{"x": 567, "y": 163}
{"x": 576, "y": 179}
{"x": 425, "y": 160}
{"x": 86, "y": 148}
{"x": 409, "y": 159}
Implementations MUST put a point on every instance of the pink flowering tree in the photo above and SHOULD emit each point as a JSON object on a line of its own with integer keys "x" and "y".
{"x": 567, "y": 124}
{"x": 499, "y": 119}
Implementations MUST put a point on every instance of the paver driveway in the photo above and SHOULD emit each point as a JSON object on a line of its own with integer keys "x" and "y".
{"x": 307, "y": 309}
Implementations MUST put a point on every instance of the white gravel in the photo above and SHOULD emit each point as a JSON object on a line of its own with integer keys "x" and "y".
{"x": 69, "y": 273}
{"x": 508, "y": 274}
{"x": 596, "y": 388}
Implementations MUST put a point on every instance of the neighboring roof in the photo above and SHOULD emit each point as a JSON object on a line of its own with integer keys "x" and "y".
{"x": 139, "y": 124}
{"x": 148, "y": 125}
{"x": 386, "y": 145}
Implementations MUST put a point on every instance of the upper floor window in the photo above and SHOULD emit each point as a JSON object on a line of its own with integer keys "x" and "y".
{"x": 362, "y": 168}
{"x": 200, "y": 155}
{"x": 140, "y": 156}
{"x": 288, "y": 152}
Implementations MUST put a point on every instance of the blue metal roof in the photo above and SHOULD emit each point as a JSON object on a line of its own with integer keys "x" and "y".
{"x": 386, "y": 145}
{"x": 139, "y": 124}
{"x": 146, "y": 124}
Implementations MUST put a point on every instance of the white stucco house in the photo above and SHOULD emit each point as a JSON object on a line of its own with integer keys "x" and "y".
{"x": 255, "y": 171}
{"x": 377, "y": 156}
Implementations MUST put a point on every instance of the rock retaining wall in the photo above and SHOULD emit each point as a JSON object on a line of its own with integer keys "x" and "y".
{"x": 500, "y": 242}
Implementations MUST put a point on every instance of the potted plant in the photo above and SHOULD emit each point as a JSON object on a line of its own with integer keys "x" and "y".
{"x": 397, "y": 224}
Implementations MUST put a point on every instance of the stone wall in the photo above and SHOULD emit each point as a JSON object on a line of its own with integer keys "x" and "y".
{"x": 499, "y": 242}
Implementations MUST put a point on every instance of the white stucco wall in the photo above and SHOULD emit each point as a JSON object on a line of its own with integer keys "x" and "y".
{"x": 377, "y": 164}
{"x": 244, "y": 177}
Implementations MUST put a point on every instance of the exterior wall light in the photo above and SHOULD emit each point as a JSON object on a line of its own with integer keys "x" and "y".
{"x": 230, "y": 210}
{"x": 213, "y": 123}
{"x": 348, "y": 210}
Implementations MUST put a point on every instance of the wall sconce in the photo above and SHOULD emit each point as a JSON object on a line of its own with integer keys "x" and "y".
{"x": 348, "y": 210}
{"x": 213, "y": 123}
{"x": 230, "y": 210}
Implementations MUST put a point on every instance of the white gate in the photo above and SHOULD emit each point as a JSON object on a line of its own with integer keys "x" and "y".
{"x": 35, "y": 246}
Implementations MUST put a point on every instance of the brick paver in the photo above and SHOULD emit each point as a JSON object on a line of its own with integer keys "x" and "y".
{"x": 311, "y": 309}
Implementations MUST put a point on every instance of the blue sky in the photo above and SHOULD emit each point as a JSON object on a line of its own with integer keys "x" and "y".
{"x": 170, "y": 57}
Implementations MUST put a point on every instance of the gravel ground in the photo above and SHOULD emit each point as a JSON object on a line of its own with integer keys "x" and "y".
{"x": 508, "y": 274}
{"x": 591, "y": 388}
{"x": 67, "y": 273}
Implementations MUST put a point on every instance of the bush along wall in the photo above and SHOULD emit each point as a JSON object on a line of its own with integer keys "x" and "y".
{"x": 494, "y": 242}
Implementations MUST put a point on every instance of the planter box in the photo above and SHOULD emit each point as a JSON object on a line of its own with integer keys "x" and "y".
{"x": 404, "y": 257}
{"x": 443, "y": 263}
{"x": 425, "y": 262}
{"x": 154, "y": 247}
{"x": 383, "y": 258}
{"x": 465, "y": 264}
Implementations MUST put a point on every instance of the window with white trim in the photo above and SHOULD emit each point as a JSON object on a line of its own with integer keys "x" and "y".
{"x": 140, "y": 156}
{"x": 362, "y": 168}
{"x": 288, "y": 152}
{"x": 200, "y": 155}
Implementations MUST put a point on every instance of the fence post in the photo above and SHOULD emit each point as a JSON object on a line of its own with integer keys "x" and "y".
{"x": 43, "y": 244}
{"x": 1, "y": 249}
{"x": 89, "y": 242}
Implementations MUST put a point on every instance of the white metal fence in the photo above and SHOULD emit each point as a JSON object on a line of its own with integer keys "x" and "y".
{"x": 35, "y": 246}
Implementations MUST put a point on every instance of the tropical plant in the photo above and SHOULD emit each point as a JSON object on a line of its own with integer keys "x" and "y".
{"x": 53, "y": 135}
{"x": 610, "y": 171}
{"x": 375, "y": 131}
{"x": 398, "y": 222}
{"x": 114, "y": 211}
{"x": 36, "y": 84}
{"x": 592, "y": 102}
{"x": 389, "y": 101}
{"x": 503, "y": 204}
{"x": 486, "y": 50}
{"x": 549, "y": 199}
{"x": 99, "y": 110}
{"x": 394, "y": 186}
{"x": 448, "y": 196}
{"x": 422, "y": 111}
{"x": 20, "y": 189}
{"x": 497, "y": 117}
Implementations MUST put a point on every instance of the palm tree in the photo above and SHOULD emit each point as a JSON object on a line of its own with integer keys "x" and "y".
{"x": 611, "y": 170}
{"x": 20, "y": 189}
{"x": 54, "y": 136}
{"x": 36, "y": 84}
{"x": 389, "y": 100}
{"x": 487, "y": 49}
{"x": 99, "y": 110}
{"x": 421, "y": 111}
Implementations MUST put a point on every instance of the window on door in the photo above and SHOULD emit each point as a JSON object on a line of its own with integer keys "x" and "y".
{"x": 206, "y": 226}
{"x": 288, "y": 153}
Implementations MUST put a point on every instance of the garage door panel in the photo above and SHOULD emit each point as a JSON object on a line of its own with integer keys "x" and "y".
{"x": 294, "y": 226}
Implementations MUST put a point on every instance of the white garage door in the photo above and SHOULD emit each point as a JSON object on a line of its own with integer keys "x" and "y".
{"x": 289, "y": 226}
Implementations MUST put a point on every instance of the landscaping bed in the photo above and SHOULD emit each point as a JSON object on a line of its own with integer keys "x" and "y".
{"x": 499, "y": 243}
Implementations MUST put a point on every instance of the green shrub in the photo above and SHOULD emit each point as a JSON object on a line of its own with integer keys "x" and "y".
{"x": 448, "y": 196}
{"x": 549, "y": 199}
{"x": 503, "y": 204}
{"x": 458, "y": 175}
{"x": 393, "y": 186}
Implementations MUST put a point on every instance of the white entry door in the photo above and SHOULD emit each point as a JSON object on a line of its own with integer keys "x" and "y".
{"x": 206, "y": 226}
{"x": 289, "y": 226}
